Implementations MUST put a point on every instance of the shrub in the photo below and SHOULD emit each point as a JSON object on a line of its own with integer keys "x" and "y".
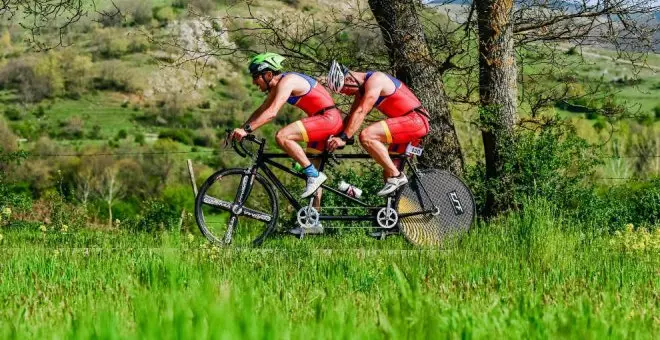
{"x": 139, "y": 138}
{"x": 95, "y": 132}
{"x": 13, "y": 114}
{"x": 165, "y": 15}
{"x": 113, "y": 76}
{"x": 7, "y": 138}
{"x": 122, "y": 134}
{"x": 600, "y": 124}
{"x": 572, "y": 51}
{"x": 77, "y": 71}
{"x": 158, "y": 216}
{"x": 656, "y": 111}
{"x": 138, "y": 43}
{"x": 21, "y": 75}
{"x": 552, "y": 162}
{"x": 112, "y": 44}
{"x": 73, "y": 128}
{"x": 40, "y": 112}
{"x": 184, "y": 136}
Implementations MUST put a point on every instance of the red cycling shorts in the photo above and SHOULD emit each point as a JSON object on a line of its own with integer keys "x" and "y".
{"x": 405, "y": 129}
{"x": 318, "y": 128}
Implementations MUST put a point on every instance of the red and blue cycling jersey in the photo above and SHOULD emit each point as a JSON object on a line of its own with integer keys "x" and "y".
{"x": 324, "y": 119}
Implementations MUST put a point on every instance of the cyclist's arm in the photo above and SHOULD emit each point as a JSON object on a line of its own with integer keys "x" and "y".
{"x": 361, "y": 107}
{"x": 273, "y": 104}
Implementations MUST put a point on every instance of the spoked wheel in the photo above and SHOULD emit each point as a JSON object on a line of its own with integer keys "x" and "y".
{"x": 234, "y": 207}
{"x": 452, "y": 198}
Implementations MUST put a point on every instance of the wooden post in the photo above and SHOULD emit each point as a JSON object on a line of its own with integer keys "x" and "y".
{"x": 192, "y": 178}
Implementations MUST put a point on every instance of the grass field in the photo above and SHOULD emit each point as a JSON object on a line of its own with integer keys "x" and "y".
{"x": 531, "y": 275}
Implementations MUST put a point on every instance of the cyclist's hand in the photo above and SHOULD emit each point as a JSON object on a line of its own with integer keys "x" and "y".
{"x": 334, "y": 143}
{"x": 238, "y": 134}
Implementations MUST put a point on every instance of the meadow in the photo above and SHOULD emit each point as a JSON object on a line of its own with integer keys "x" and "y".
{"x": 531, "y": 274}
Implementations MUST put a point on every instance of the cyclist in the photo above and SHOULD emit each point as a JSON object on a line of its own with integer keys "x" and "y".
{"x": 323, "y": 118}
{"x": 407, "y": 120}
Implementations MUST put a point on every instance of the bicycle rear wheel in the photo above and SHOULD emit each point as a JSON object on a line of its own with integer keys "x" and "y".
{"x": 450, "y": 195}
{"x": 235, "y": 207}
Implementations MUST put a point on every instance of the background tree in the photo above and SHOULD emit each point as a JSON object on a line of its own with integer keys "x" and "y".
{"x": 412, "y": 62}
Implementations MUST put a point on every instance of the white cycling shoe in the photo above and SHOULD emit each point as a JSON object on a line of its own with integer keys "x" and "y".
{"x": 313, "y": 183}
{"x": 392, "y": 184}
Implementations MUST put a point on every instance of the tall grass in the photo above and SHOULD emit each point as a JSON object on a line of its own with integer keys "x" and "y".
{"x": 530, "y": 274}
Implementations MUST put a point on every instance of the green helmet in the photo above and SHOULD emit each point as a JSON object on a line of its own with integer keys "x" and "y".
{"x": 265, "y": 62}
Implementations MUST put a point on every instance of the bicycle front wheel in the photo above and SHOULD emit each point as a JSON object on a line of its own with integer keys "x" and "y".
{"x": 236, "y": 207}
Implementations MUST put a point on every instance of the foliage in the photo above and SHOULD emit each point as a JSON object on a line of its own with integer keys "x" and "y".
{"x": 112, "y": 44}
{"x": 21, "y": 75}
{"x": 165, "y": 14}
{"x": 112, "y": 75}
{"x": 184, "y": 136}
{"x": 9, "y": 198}
{"x": 545, "y": 159}
{"x": 156, "y": 215}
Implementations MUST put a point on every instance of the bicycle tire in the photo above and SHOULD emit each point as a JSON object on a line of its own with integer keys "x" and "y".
{"x": 449, "y": 194}
{"x": 223, "y": 180}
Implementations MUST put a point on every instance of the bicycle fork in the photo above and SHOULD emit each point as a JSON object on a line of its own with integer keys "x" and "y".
{"x": 237, "y": 208}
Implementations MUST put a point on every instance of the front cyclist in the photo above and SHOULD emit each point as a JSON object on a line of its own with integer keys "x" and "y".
{"x": 323, "y": 118}
{"x": 407, "y": 120}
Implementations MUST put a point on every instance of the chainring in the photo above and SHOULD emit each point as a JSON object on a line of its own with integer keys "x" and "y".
{"x": 451, "y": 196}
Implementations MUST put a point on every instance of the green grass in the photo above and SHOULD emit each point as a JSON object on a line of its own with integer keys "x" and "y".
{"x": 532, "y": 275}
{"x": 104, "y": 110}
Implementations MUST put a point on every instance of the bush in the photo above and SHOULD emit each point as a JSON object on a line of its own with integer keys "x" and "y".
{"x": 13, "y": 114}
{"x": 113, "y": 76}
{"x": 617, "y": 206}
{"x": 22, "y": 75}
{"x": 95, "y": 132}
{"x": 112, "y": 44}
{"x": 656, "y": 111}
{"x": 73, "y": 128}
{"x": 122, "y": 134}
{"x": 165, "y": 15}
{"x": 184, "y": 136}
{"x": 138, "y": 43}
{"x": 77, "y": 71}
{"x": 158, "y": 216}
{"x": 139, "y": 138}
{"x": 40, "y": 112}
{"x": 553, "y": 163}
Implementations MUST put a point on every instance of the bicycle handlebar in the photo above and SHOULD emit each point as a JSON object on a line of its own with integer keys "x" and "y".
{"x": 238, "y": 145}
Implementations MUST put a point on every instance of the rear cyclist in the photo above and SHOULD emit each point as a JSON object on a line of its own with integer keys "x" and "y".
{"x": 408, "y": 121}
{"x": 323, "y": 118}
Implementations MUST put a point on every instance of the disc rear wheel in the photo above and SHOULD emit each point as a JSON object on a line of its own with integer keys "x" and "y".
{"x": 453, "y": 213}
{"x": 235, "y": 207}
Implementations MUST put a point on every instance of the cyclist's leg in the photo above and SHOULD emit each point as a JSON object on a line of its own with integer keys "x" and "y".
{"x": 288, "y": 137}
{"x": 373, "y": 138}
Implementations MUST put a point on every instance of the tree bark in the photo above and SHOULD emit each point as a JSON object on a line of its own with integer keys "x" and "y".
{"x": 498, "y": 97}
{"x": 413, "y": 64}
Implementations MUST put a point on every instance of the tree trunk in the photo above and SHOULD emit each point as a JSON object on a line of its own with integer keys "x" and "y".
{"x": 498, "y": 97}
{"x": 412, "y": 63}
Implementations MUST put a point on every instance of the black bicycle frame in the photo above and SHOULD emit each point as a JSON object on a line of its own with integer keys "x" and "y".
{"x": 263, "y": 160}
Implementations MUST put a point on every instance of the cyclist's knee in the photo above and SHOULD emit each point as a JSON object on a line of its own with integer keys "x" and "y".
{"x": 281, "y": 137}
{"x": 365, "y": 137}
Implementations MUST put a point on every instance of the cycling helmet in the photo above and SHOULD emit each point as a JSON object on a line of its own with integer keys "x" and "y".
{"x": 336, "y": 76}
{"x": 265, "y": 62}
